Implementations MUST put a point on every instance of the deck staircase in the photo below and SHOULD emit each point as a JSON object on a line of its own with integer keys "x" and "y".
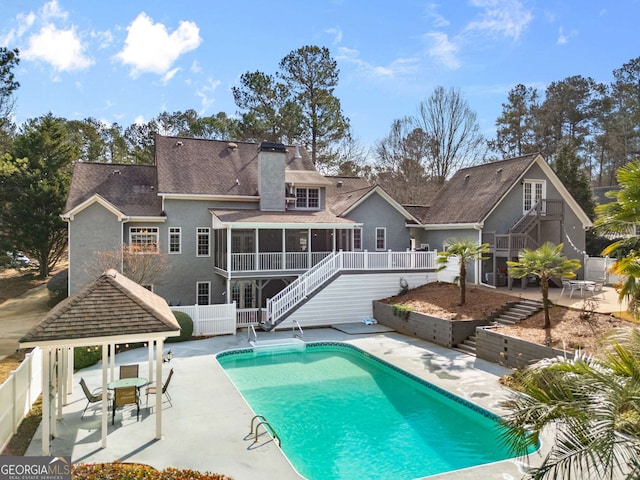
{"x": 314, "y": 279}
{"x": 514, "y": 313}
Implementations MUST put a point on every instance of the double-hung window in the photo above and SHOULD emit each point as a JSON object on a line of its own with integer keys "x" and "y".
{"x": 381, "y": 238}
{"x": 175, "y": 240}
{"x": 203, "y": 293}
{"x": 143, "y": 239}
{"x": 357, "y": 238}
{"x": 203, "y": 244}
{"x": 307, "y": 198}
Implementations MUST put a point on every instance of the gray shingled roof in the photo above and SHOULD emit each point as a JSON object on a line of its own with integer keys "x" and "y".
{"x": 473, "y": 192}
{"x": 343, "y": 192}
{"x": 214, "y": 167}
{"x": 110, "y": 306}
{"x": 289, "y": 216}
{"x": 132, "y": 189}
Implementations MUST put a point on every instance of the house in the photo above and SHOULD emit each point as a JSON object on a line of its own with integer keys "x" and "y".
{"x": 241, "y": 222}
{"x": 510, "y": 204}
{"x": 257, "y": 225}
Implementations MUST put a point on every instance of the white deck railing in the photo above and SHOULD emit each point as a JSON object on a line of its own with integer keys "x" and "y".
{"x": 308, "y": 282}
{"x": 255, "y": 262}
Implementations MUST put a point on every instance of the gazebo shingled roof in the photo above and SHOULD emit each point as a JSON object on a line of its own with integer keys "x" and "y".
{"x": 110, "y": 306}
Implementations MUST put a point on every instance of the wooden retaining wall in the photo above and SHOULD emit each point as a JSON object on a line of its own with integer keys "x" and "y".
{"x": 440, "y": 331}
{"x": 510, "y": 351}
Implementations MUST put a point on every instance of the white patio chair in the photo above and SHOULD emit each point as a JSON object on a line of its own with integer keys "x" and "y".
{"x": 595, "y": 289}
{"x": 566, "y": 284}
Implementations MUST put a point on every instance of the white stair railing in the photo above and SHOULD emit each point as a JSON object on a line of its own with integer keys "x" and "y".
{"x": 312, "y": 279}
{"x": 302, "y": 286}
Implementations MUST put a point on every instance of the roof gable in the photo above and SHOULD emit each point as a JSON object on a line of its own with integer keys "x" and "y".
{"x": 129, "y": 189}
{"x": 111, "y": 306}
{"x": 473, "y": 192}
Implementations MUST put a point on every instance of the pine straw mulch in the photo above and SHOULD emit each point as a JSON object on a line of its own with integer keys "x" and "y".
{"x": 568, "y": 329}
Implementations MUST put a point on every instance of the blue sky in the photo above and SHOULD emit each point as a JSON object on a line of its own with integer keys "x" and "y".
{"x": 128, "y": 61}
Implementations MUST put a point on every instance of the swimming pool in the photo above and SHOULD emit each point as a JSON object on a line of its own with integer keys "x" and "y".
{"x": 342, "y": 413}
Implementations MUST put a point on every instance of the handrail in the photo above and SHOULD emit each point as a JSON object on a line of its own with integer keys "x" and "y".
{"x": 312, "y": 279}
{"x": 251, "y": 329}
{"x": 265, "y": 423}
{"x": 295, "y": 334}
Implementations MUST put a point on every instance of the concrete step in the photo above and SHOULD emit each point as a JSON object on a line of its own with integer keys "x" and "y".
{"x": 466, "y": 349}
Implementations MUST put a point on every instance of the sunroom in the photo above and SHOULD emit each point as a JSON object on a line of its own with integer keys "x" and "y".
{"x": 247, "y": 242}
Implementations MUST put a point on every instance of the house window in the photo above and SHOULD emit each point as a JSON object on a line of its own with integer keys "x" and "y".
{"x": 357, "y": 238}
{"x": 203, "y": 245}
{"x": 175, "y": 240}
{"x": 308, "y": 198}
{"x": 203, "y": 293}
{"x": 143, "y": 239}
{"x": 381, "y": 238}
{"x": 533, "y": 191}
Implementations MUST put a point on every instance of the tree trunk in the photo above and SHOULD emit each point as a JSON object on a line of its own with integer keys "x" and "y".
{"x": 544, "y": 283}
{"x": 463, "y": 283}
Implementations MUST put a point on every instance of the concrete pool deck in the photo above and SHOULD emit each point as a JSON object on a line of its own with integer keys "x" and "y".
{"x": 207, "y": 428}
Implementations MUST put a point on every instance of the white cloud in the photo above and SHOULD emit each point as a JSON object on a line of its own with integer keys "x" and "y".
{"x": 104, "y": 39}
{"x": 139, "y": 120}
{"x": 336, "y": 33}
{"x": 60, "y": 48}
{"x": 501, "y": 17}
{"x": 206, "y": 94}
{"x": 437, "y": 19}
{"x": 442, "y": 49}
{"x": 150, "y": 48}
{"x": 196, "y": 67}
{"x": 563, "y": 38}
{"x": 52, "y": 10}
{"x": 398, "y": 67}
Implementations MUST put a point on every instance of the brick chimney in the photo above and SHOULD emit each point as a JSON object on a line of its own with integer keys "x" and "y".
{"x": 271, "y": 184}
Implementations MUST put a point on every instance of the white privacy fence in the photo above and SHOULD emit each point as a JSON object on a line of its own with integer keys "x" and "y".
{"x": 208, "y": 320}
{"x": 595, "y": 268}
{"x": 18, "y": 393}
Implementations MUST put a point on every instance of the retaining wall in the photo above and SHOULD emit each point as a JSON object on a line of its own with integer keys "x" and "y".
{"x": 510, "y": 351}
{"x": 440, "y": 331}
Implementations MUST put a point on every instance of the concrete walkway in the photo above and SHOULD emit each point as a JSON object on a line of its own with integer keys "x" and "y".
{"x": 208, "y": 425}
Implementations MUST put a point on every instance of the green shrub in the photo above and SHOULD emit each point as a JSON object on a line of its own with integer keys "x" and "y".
{"x": 402, "y": 311}
{"x": 86, "y": 356}
{"x": 136, "y": 471}
{"x": 186, "y": 327}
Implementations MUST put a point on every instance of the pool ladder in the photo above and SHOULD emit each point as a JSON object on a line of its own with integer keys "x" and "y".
{"x": 263, "y": 421}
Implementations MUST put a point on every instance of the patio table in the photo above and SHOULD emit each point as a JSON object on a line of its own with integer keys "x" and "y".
{"x": 580, "y": 285}
{"x": 127, "y": 382}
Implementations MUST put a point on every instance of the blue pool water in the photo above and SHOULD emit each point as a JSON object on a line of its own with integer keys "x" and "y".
{"x": 343, "y": 414}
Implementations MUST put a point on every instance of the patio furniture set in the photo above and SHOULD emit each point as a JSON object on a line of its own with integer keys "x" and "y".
{"x": 126, "y": 391}
{"x": 589, "y": 286}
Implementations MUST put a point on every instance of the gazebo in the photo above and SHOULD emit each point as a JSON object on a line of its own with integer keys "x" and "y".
{"x": 110, "y": 311}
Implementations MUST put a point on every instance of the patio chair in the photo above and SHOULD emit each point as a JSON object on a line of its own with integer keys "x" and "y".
{"x": 595, "y": 289}
{"x": 125, "y": 396}
{"x": 154, "y": 391}
{"x": 566, "y": 284}
{"x": 92, "y": 397}
{"x": 128, "y": 371}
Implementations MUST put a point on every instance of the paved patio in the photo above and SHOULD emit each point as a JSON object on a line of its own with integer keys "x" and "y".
{"x": 208, "y": 425}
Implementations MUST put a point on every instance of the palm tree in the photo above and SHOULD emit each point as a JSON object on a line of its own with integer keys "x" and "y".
{"x": 620, "y": 218}
{"x": 592, "y": 405}
{"x": 465, "y": 251}
{"x": 545, "y": 262}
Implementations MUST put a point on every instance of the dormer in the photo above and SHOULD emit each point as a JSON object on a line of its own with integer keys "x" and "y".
{"x": 306, "y": 189}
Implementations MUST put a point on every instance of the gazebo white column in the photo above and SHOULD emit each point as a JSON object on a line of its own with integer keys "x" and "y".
{"x": 105, "y": 395}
